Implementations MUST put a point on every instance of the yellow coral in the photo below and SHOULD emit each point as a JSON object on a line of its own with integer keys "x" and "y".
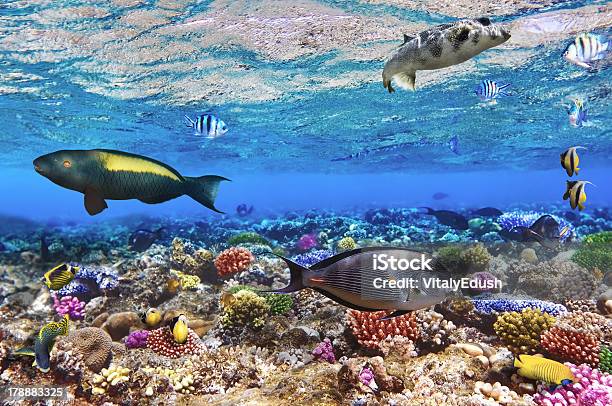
{"x": 347, "y": 244}
{"x": 521, "y": 331}
{"x": 187, "y": 281}
{"x": 109, "y": 378}
{"x": 181, "y": 379}
{"x": 477, "y": 257}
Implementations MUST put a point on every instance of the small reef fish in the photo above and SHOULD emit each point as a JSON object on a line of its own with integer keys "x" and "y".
{"x": 575, "y": 193}
{"x": 545, "y": 231}
{"x": 140, "y": 240}
{"x": 448, "y": 218}
{"x": 243, "y": 210}
{"x": 439, "y": 196}
{"x": 543, "y": 369}
{"x": 178, "y": 327}
{"x": 227, "y": 299}
{"x": 60, "y": 276}
{"x": 44, "y": 342}
{"x": 488, "y": 212}
{"x": 359, "y": 279}
{"x": 587, "y": 49}
{"x": 439, "y": 47}
{"x": 577, "y": 113}
{"x": 400, "y": 149}
{"x": 207, "y": 124}
{"x": 152, "y": 317}
{"x": 570, "y": 160}
{"x": 489, "y": 90}
{"x": 106, "y": 174}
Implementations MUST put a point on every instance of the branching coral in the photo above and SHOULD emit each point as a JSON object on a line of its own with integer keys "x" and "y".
{"x": 347, "y": 244}
{"x": 188, "y": 259}
{"x": 69, "y": 305}
{"x": 248, "y": 309}
{"x": 521, "y": 331}
{"x": 476, "y": 258}
{"x": 233, "y": 260}
{"x": 592, "y": 389}
{"x": 595, "y": 252}
{"x": 187, "y": 281}
{"x": 369, "y": 330}
{"x": 605, "y": 359}
{"x": 181, "y": 379}
{"x": 451, "y": 258}
{"x": 324, "y": 351}
{"x": 91, "y": 281}
{"x": 162, "y": 342}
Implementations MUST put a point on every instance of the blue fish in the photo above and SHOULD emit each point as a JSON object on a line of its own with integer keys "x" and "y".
{"x": 577, "y": 113}
{"x": 489, "y": 90}
{"x": 207, "y": 124}
{"x": 452, "y": 144}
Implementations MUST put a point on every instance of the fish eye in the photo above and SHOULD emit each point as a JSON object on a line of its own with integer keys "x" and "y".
{"x": 67, "y": 164}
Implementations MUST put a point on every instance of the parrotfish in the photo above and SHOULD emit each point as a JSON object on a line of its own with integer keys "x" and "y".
{"x": 543, "y": 369}
{"x": 44, "y": 342}
{"x": 369, "y": 279}
{"x": 106, "y": 174}
{"x": 439, "y": 47}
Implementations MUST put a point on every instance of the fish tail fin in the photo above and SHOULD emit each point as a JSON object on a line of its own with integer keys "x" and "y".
{"x": 204, "y": 190}
{"x": 189, "y": 121}
{"x": 406, "y": 80}
{"x": 297, "y": 281}
{"x": 429, "y": 210}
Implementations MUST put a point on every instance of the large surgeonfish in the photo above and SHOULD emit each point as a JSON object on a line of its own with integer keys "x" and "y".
{"x": 106, "y": 174}
{"x": 370, "y": 279}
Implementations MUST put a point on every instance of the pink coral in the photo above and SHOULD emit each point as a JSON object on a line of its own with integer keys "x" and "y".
{"x": 162, "y": 342}
{"x": 325, "y": 351}
{"x": 370, "y": 331}
{"x": 72, "y": 306}
{"x": 307, "y": 242}
{"x": 593, "y": 388}
{"x": 233, "y": 260}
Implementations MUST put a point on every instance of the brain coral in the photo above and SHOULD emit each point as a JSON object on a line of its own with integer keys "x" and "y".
{"x": 233, "y": 260}
{"x": 370, "y": 331}
{"x": 521, "y": 331}
{"x": 93, "y": 344}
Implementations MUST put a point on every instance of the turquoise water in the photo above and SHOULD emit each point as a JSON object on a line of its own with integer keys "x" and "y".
{"x": 298, "y": 86}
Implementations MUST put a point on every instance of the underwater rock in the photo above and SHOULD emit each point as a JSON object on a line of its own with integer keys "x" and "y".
{"x": 119, "y": 325}
{"x": 604, "y": 302}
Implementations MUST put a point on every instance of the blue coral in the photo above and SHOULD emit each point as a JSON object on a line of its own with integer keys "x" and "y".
{"x": 89, "y": 281}
{"x": 488, "y": 306}
{"x": 312, "y": 257}
{"x": 520, "y": 218}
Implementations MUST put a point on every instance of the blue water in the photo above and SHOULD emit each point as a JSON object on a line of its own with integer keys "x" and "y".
{"x": 89, "y": 79}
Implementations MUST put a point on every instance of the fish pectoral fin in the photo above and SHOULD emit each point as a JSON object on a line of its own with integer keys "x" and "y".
{"x": 396, "y": 313}
{"x": 94, "y": 202}
{"x": 406, "y": 80}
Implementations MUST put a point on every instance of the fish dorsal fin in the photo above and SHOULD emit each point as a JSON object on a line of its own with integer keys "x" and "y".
{"x": 407, "y": 38}
{"x": 333, "y": 259}
{"x": 484, "y": 21}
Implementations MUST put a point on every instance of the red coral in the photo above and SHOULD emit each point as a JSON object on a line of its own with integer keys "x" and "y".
{"x": 574, "y": 346}
{"x": 233, "y": 260}
{"x": 369, "y": 330}
{"x": 162, "y": 342}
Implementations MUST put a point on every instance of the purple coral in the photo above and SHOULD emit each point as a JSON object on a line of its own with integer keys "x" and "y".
{"x": 70, "y": 305}
{"x": 306, "y": 242}
{"x": 136, "y": 339}
{"x": 366, "y": 376}
{"x": 488, "y": 306}
{"x": 325, "y": 351}
{"x": 594, "y": 388}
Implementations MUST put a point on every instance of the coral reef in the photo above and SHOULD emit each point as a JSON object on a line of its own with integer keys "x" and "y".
{"x": 136, "y": 339}
{"x": 190, "y": 260}
{"x": 595, "y": 252}
{"x": 488, "y": 306}
{"x": 72, "y": 306}
{"x": 248, "y": 309}
{"x": 93, "y": 345}
{"x": 522, "y": 331}
{"x": 247, "y": 238}
{"x": 605, "y": 359}
{"x": 593, "y": 388}
{"x": 324, "y": 351}
{"x": 346, "y": 244}
{"x": 476, "y": 258}
{"x": 279, "y": 304}
{"x": 233, "y": 260}
{"x": 111, "y": 379}
{"x": 497, "y": 392}
{"x": 162, "y": 342}
{"x": 310, "y": 258}
{"x": 187, "y": 281}
{"x": 307, "y": 242}
{"x": 521, "y": 218}
{"x": 370, "y": 331}
{"x": 435, "y": 331}
{"x": 92, "y": 281}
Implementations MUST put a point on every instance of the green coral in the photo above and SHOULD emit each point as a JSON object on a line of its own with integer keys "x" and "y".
{"x": 477, "y": 258}
{"x": 347, "y": 244}
{"x": 521, "y": 331}
{"x": 279, "y": 304}
{"x": 451, "y": 258}
{"x": 605, "y": 359}
{"x": 247, "y": 310}
{"x": 595, "y": 252}
{"x": 248, "y": 238}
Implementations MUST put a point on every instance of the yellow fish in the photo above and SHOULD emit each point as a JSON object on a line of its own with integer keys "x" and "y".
{"x": 575, "y": 193}
{"x": 570, "y": 160}
{"x": 179, "y": 328}
{"x": 60, "y": 276}
{"x": 227, "y": 299}
{"x": 44, "y": 342}
{"x": 151, "y": 317}
{"x": 543, "y": 369}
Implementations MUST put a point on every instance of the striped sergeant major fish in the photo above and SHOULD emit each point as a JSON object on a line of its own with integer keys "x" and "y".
{"x": 570, "y": 160}
{"x": 399, "y": 149}
{"x": 489, "y": 90}
{"x": 576, "y": 194}
{"x": 207, "y": 124}
{"x": 44, "y": 342}
{"x": 587, "y": 49}
{"x": 577, "y": 113}
{"x": 106, "y": 174}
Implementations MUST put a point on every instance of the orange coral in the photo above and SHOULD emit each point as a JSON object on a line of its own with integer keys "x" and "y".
{"x": 369, "y": 330}
{"x": 572, "y": 346}
{"x": 233, "y": 260}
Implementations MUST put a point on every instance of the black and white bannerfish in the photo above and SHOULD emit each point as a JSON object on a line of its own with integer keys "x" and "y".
{"x": 439, "y": 47}
{"x": 587, "y": 50}
{"x": 574, "y": 191}
{"x": 359, "y": 279}
{"x": 490, "y": 90}
{"x": 570, "y": 160}
{"x": 207, "y": 124}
